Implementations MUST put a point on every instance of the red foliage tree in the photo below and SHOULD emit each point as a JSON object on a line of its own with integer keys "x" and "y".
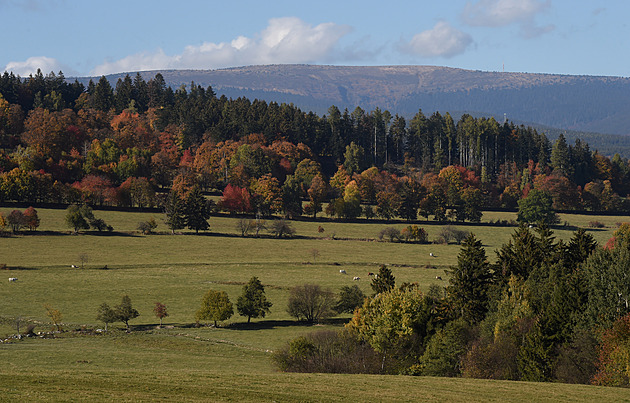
{"x": 236, "y": 200}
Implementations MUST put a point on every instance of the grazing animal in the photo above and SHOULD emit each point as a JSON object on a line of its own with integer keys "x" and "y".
{"x": 342, "y": 272}
{"x": 74, "y": 266}
{"x": 438, "y": 278}
{"x": 370, "y": 274}
{"x": 357, "y": 278}
{"x": 431, "y": 254}
{"x": 12, "y": 279}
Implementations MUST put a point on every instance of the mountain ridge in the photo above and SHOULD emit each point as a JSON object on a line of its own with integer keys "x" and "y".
{"x": 574, "y": 102}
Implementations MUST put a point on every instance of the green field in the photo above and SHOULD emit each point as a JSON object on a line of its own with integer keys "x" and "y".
{"x": 230, "y": 363}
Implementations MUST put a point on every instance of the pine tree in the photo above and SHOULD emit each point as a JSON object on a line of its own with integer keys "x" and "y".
{"x": 253, "y": 301}
{"x": 470, "y": 281}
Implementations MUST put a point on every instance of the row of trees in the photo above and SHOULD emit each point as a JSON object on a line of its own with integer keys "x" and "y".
{"x": 16, "y": 220}
{"x": 546, "y": 310}
{"x": 118, "y": 146}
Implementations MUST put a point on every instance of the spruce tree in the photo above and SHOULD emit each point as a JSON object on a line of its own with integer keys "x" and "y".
{"x": 470, "y": 281}
{"x": 197, "y": 211}
{"x": 175, "y": 210}
{"x": 384, "y": 281}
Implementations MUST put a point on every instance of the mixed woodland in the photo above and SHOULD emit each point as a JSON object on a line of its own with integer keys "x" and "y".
{"x": 129, "y": 144}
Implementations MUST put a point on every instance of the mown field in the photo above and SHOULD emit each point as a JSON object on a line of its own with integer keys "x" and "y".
{"x": 232, "y": 362}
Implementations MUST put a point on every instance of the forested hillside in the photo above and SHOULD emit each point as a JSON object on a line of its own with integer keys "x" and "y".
{"x": 63, "y": 142}
{"x": 581, "y": 103}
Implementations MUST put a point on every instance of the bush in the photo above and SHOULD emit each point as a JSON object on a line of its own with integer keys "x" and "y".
{"x": 282, "y": 228}
{"x": 450, "y": 233}
{"x": 389, "y": 232}
{"x": 329, "y": 352}
{"x": 596, "y": 224}
{"x": 147, "y": 227}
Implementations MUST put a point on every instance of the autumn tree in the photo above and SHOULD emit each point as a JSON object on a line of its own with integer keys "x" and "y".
{"x": 235, "y": 199}
{"x": 253, "y": 302}
{"x": 215, "y": 306}
{"x": 16, "y": 220}
{"x": 54, "y": 315}
{"x": 160, "y": 311}
{"x": 317, "y": 194}
{"x": 31, "y": 219}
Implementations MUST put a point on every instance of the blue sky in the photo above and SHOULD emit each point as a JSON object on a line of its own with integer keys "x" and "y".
{"x": 85, "y": 37}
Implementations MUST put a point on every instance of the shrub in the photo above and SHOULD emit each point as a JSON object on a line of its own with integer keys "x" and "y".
{"x": 282, "y": 228}
{"x": 450, "y": 233}
{"x": 389, "y": 232}
{"x": 596, "y": 224}
{"x": 329, "y": 352}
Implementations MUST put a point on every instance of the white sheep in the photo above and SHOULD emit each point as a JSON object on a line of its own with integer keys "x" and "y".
{"x": 12, "y": 279}
{"x": 342, "y": 272}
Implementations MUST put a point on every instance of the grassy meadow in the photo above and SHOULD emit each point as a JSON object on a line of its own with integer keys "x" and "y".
{"x": 232, "y": 362}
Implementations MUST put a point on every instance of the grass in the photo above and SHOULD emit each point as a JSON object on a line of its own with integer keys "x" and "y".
{"x": 230, "y": 363}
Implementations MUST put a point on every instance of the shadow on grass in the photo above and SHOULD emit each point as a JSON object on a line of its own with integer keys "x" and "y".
{"x": 272, "y": 324}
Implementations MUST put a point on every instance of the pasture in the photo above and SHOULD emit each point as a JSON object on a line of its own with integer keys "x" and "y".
{"x": 232, "y": 362}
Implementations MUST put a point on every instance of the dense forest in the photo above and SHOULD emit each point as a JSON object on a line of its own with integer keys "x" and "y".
{"x": 547, "y": 310}
{"x": 66, "y": 143}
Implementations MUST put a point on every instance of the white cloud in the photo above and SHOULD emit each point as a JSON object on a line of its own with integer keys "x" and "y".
{"x": 30, "y": 66}
{"x": 441, "y": 41}
{"x": 499, "y": 13}
{"x": 285, "y": 40}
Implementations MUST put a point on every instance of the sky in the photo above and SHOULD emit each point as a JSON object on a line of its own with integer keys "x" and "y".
{"x": 91, "y": 37}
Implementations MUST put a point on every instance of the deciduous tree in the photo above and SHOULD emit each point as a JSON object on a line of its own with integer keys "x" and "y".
{"x": 160, "y": 311}
{"x": 125, "y": 311}
{"x": 215, "y": 306}
{"x": 253, "y": 302}
{"x": 309, "y": 302}
{"x": 106, "y": 314}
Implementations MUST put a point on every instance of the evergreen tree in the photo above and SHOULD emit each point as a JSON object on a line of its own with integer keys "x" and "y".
{"x": 197, "y": 211}
{"x": 384, "y": 281}
{"x": 253, "y": 302}
{"x": 470, "y": 281}
{"x": 175, "y": 211}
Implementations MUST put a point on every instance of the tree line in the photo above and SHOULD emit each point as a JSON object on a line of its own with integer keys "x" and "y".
{"x": 547, "y": 310}
{"x": 126, "y": 145}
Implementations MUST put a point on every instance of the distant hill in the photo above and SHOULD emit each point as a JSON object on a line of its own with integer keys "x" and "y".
{"x": 594, "y": 104}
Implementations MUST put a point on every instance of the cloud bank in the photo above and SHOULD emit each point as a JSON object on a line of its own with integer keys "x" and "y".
{"x": 441, "y": 41}
{"x": 30, "y": 66}
{"x": 285, "y": 40}
{"x": 500, "y": 13}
